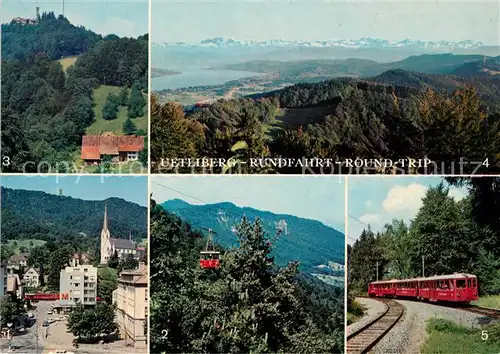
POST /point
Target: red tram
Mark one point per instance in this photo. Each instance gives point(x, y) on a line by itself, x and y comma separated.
point(457, 287)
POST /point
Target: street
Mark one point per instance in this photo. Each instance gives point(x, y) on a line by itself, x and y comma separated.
point(27, 342)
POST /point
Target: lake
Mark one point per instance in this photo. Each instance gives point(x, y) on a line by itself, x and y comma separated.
point(198, 77)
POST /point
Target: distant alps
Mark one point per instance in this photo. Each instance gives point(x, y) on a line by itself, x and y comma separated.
point(219, 42)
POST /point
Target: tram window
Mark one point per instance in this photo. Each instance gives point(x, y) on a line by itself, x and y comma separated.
point(450, 283)
point(461, 283)
point(469, 283)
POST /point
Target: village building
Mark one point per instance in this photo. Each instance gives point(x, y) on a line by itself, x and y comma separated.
point(78, 285)
point(31, 277)
point(16, 263)
point(3, 281)
point(110, 245)
point(131, 299)
point(14, 286)
point(81, 258)
point(119, 148)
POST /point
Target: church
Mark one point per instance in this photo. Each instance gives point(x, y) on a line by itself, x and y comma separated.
point(109, 245)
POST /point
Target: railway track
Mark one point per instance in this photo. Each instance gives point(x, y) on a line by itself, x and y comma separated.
point(485, 311)
point(362, 340)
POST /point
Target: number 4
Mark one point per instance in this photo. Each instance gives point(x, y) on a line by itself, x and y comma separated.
point(486, 163)
point(484, 335)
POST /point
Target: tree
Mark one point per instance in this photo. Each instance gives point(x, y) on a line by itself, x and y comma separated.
point(92, 323)
point(249, 304)
point(136, 103)
point(129, 127)
point(57, 261)
point(129, 262)
point(123, 97)
point(113, 260)
point(10, 309)
point(106, 284)
point(110, 109)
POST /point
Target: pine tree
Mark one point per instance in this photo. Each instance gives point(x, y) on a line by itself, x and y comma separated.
point(123, 97)
point(136, 103)
point(110, 109)
point(129, 127)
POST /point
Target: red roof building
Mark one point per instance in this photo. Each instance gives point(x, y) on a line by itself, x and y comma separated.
point(120, 148)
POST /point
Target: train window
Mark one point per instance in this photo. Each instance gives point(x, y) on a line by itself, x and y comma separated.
point(469, 283)
point(450, 283)
point(461, 283)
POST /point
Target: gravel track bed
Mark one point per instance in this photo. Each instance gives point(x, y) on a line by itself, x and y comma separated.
point(408, 335)
point(373, 308)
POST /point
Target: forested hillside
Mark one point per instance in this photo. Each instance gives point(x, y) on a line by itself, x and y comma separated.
point(452, 236)
point(405, 115)
point(54, 36)
point(45, 110)
point(39, 215)
point(249, 304)
point(308, 241)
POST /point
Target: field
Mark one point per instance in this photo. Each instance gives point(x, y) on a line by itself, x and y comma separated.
point(116, 125)
point(492, 301)
point(67, 62)
point(447, 337)
point(25, 243)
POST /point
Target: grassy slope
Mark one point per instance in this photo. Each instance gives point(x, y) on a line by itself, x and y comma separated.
point(492, 301)
point(26, 243)
point(67, 62)
point(116, 125)
point(448, 337)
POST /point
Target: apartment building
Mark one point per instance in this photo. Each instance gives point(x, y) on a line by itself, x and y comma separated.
point(78, 285)
point(131, 298)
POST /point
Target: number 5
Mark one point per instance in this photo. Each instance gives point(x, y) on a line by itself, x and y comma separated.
point(484, 335)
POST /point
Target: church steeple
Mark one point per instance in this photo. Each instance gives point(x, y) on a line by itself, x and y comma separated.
point(105, 223)
point(105, 236)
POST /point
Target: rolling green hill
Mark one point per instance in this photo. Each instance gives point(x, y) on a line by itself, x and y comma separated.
point(308, 241)
point(101, 125)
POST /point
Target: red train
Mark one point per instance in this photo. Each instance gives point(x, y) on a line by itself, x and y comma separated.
point(457, 287)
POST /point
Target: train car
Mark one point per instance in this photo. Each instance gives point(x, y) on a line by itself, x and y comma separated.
point(382, 288)
point(406, 288)
point(457, 287)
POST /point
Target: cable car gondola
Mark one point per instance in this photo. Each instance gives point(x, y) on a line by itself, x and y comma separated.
point(209, 259)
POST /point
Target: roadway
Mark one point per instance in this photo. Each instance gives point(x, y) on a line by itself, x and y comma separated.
point(26, 342)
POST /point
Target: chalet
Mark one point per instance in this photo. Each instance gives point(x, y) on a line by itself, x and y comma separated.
point(32, 277)
point(16, 263)
point(120, 148)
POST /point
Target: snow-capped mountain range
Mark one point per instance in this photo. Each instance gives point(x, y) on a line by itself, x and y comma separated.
point(219, 42)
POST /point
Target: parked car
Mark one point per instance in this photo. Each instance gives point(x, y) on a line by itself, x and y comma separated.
point(30, 314)
point(45, 323)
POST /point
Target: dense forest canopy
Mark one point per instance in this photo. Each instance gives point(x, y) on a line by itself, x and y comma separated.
point(249, 304)
point(39, 215)
point(451, 236)
point(54, 36)
point(45, 111)
point(405, 115)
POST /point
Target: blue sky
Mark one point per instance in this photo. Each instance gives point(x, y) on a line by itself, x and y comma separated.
point(124, 18)
point(195, 20)
point(376, 201)
point(131, 188)
point(318, 198)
